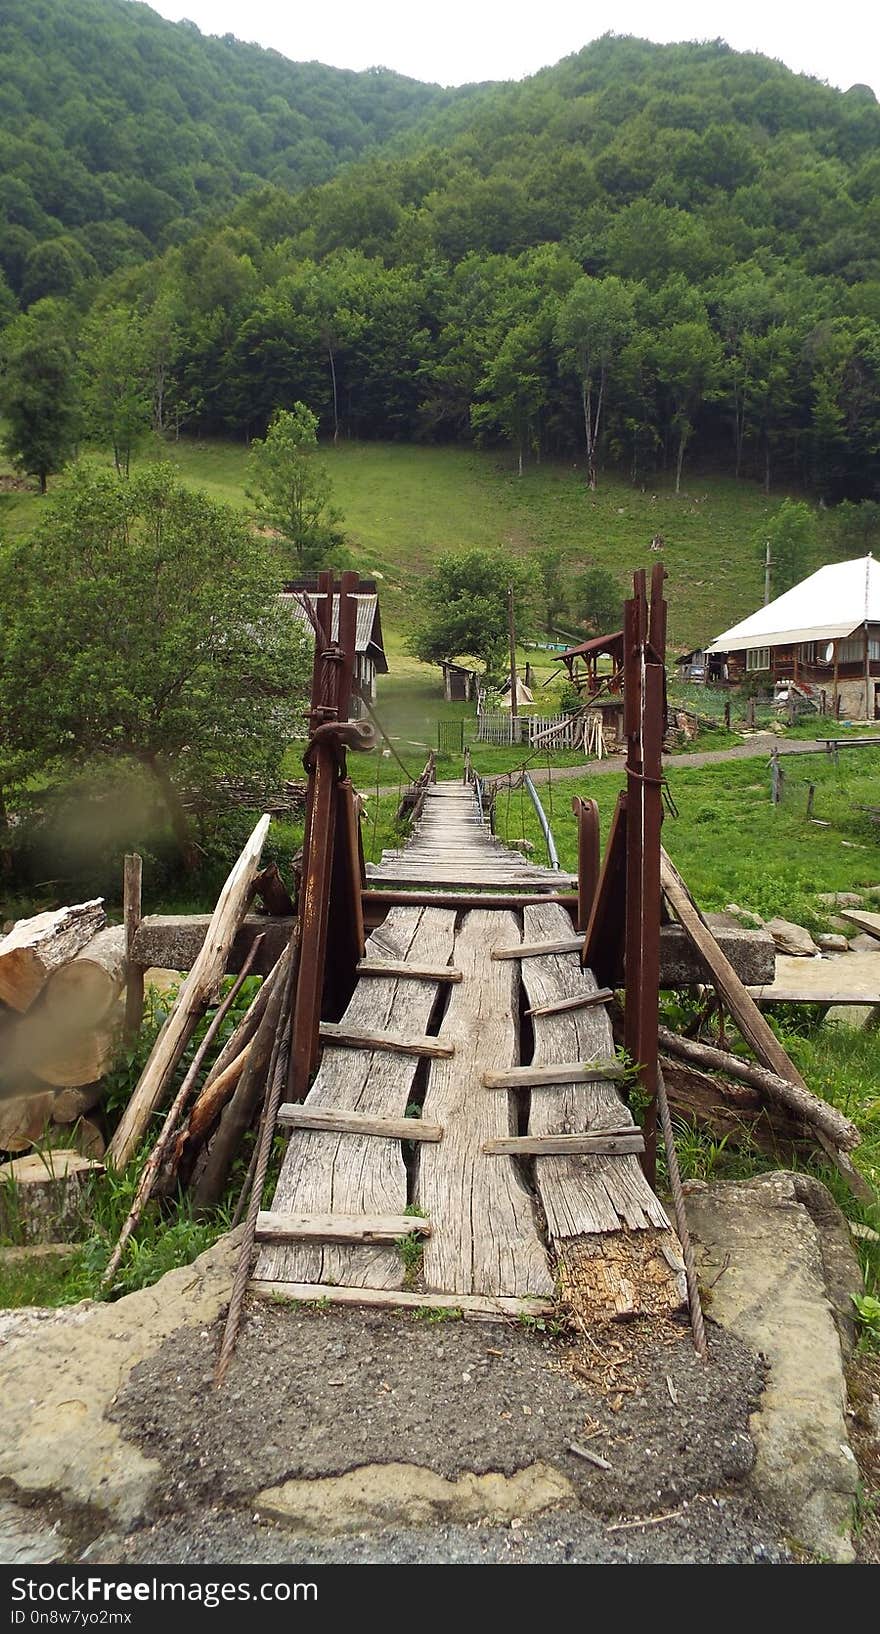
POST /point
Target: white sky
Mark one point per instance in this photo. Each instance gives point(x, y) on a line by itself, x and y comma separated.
point(460, 40)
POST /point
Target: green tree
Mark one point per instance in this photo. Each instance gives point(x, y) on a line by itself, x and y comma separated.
point(792, 536)
point(599, 601)
point(165, 646)
point(116, 386)
point(688, 358)
point(551, 564)
point(291, 489)
point(38, 393)
point(466, 608)
point(591, 330)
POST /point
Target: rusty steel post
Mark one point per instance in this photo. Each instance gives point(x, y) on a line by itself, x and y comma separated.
point(318, 845)
point(587, 814)
point(644, 724)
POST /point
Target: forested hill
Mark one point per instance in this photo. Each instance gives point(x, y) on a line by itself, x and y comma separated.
point(660, 257)
point(115, 125)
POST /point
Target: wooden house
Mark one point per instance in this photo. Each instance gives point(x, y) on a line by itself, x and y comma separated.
point(823, 635)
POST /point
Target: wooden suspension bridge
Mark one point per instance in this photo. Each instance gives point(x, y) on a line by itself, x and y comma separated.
point(468, 1096)
point(434, 1035)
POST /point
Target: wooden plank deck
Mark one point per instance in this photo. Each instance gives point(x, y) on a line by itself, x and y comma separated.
point(485, 1237)
point(504, 1214)
point(334, 1173)
point(451, 846)
point(612, 1239)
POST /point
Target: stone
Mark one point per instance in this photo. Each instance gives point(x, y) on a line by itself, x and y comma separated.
point(863, 943)
point(840, 899)
point(857, 1016)
point(832, 942)
point(791, 939)
point(760, 1249)
point(744, 916)
point(751, 952)
point(61, 1369)
point(410, 1495)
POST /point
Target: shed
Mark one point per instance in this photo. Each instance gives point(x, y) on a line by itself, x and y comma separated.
point(459, 682)
point(588, 654)
point(370, 660)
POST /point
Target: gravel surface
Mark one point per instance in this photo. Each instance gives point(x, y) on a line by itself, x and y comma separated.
point(318, 1391)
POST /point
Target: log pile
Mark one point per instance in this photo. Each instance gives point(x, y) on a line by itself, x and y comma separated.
point(62, 976)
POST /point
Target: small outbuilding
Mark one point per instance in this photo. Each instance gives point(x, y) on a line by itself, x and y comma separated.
point(302, 594)
point(823, 636)
point(582, 663)
point(459, 682)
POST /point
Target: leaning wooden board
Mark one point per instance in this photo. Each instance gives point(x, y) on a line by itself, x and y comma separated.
point(330, 1172)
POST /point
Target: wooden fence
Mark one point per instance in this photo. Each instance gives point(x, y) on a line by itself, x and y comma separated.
point(565, 731)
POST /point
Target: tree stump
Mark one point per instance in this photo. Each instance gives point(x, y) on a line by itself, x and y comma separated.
point(41, 1196)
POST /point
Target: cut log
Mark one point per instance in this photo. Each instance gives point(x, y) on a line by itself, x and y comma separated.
point(23, 1118)
point(800, 1102)
point(196, 993)
point(35, 947)
point(735, 1113)
point(71, 1104)
point(41, 1196)
point(86, 988)
point(64, 1054)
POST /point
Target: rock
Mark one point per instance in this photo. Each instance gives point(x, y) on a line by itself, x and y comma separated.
point(409, 1495)
point(863, 943)
point(61, 1369)
point(791, 939)
point(28, 1540)
point(744, 916)
point(840, 899)
point(856, 1016)
point(761, 1242)
point(832, 942)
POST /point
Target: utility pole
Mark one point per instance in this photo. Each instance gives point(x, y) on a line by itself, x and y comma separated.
point(511, 631)
point(767, 566)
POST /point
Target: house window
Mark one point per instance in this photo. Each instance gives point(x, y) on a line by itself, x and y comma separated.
point(808, 652)
point(852, 651)
point(758, 658)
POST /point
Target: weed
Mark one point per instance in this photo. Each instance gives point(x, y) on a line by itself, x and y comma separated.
point(438, 1313)
point(411, 1250)
point(868, 1312)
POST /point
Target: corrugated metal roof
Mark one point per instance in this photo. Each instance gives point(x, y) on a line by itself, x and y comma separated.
point(368, 629)
point(833, 602)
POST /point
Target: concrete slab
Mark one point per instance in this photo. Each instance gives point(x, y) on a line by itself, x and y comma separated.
point(761, 1254)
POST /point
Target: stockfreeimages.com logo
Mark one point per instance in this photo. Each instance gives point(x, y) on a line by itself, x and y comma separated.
point(46, 1599)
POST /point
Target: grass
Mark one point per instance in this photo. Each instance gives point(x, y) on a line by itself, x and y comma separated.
point(404, 505)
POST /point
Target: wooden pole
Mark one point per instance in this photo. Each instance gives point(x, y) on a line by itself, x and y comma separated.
point(511, 636)
point(132, 912)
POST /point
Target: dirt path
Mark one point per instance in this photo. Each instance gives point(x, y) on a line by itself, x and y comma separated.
point(755, 748)
point(315, 1392)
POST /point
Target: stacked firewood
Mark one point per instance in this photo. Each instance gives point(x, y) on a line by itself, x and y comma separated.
point(62, 976)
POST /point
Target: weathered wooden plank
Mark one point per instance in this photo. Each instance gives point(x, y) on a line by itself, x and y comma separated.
point(329, 1172)
point(610, 1143)
point(354, 1038)
point(839, 978)
point(562, 1072)
point(499, 1309)
point(755, 1030)
point(352, 1228)
point(485, 1238)
point(539, 950)
point(865, 921)
point(578, 1001)
point(340, 1121)
point(610, 1232)
point(413, 973)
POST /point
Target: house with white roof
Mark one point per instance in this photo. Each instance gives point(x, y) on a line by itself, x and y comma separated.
point(824, 635)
